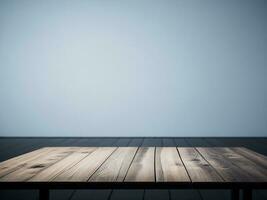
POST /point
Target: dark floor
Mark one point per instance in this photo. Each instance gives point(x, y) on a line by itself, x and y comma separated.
point(10, 147)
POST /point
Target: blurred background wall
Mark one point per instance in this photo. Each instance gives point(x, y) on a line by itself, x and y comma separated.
point(133, 68)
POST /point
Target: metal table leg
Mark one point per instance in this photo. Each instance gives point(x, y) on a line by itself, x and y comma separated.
point(247, 194)
point(235, 194)
point(43, 194)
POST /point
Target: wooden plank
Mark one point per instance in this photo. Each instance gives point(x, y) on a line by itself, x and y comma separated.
point(238, 142)
point(24, 156)
point(228, 171)
point(151, 193)
point(86, 167)
point(15, 163)
point(197, 167)
point(17, 150)
point(24, 146)
point(142, 167)
point(30, 194)
point(208, 194)
point(169, 166)
point(33, 167)
point(116, 166)
point(125, 193)
point(184, 194)
point(255, 171)
point(51, 172)
point(252, 155)
point(61, 194)
point(94, 194)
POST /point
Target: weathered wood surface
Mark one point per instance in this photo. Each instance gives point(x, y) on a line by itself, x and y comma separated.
point(169, 166)
point(142, 167)
point(136, 164)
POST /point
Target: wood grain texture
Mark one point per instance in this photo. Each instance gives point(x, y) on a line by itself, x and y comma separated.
point(33, 167)
point(15, 163)
point(259, 159)
point(136, 164)
point(86, 167)
point(169, 167)
point(228, 171)
point(256, 172)
point(197, 167)
point(116, 166)
point(142, 167)
point(72, 159)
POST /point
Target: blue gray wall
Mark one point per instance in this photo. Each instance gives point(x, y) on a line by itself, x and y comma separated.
point(133, 68)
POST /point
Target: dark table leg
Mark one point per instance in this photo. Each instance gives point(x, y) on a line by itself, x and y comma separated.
point(247, 194)
point(43, 194)
point(235, 194)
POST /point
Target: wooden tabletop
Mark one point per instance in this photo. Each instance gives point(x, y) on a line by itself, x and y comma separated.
point(136, 165)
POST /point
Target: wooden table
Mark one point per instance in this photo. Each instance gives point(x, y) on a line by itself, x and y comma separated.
point(136, 168)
